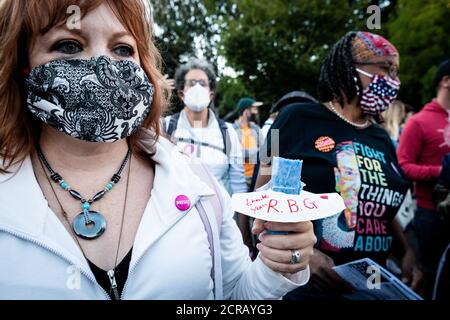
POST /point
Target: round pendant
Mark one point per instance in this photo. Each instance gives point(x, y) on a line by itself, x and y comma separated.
point(92, 230)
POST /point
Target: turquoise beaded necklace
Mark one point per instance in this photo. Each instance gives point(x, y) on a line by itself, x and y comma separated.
point(88, 224)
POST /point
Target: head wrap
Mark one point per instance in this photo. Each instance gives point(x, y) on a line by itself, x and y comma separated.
point(367, 46)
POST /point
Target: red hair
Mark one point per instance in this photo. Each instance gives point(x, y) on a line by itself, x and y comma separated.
point(20, 22)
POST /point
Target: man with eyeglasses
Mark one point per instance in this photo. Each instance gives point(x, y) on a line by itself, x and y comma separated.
point(423, 144)
point(198, 132)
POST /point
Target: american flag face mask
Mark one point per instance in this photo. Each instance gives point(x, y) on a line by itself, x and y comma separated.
point(379, 94)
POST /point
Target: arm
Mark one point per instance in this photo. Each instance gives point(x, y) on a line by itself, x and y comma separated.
point(409, 150)
point(400, 239)
point(263, 175)
point(411, 274)
point(323, 277)
point(238, 183)
point(444, 177)
point(265, 130)
point(244, 279)
point(322, 274)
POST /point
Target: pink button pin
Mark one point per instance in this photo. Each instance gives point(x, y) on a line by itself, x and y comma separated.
point(182, 203)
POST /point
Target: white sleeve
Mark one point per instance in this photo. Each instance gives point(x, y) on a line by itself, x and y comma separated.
point(165, 122)
point(236, 168)
point(265, 131)
point(242, 278)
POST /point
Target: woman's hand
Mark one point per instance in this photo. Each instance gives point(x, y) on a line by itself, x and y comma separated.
point(411, 274)
point(276, 250)
point(323, 277)
point(168, 83)
point(244, 226)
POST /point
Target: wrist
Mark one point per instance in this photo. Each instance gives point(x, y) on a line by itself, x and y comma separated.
point(407, 251)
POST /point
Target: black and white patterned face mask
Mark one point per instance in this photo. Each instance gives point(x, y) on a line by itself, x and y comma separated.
point(97, 100)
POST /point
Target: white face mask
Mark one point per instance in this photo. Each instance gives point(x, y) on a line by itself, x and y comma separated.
point(197, 98)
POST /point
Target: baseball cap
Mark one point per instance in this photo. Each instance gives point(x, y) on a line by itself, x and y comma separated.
point(246, 103)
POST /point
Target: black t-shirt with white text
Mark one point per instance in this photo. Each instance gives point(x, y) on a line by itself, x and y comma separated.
point(360, 164)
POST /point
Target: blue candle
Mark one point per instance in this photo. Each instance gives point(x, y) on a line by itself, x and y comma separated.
point(286, 178)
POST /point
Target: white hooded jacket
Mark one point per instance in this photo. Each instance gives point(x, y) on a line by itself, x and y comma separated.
point(170, 259)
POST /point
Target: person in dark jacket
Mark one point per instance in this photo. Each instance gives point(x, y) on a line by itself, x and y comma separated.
point(441, 199)
point(423, 144)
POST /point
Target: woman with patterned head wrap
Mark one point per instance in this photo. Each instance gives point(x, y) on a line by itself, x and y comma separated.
point(344, 150)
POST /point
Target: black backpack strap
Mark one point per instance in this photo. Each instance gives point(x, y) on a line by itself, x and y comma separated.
point(198, 143)
point(225, 136)
point(173, 124)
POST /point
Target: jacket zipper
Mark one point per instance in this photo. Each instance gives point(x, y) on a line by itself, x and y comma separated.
point(112, 280)
point(133, 267)
point(86, 274)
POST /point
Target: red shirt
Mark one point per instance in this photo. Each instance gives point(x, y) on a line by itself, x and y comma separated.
point(423, 144)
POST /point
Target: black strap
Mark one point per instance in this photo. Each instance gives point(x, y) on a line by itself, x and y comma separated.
point(173, 124)
point(198, 143)
point(225, 137)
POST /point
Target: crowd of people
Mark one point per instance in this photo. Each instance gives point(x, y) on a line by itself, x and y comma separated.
point(349, 143)
point(120, 194)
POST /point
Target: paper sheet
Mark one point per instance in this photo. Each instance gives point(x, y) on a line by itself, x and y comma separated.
point(365, 274)
point(275, 206)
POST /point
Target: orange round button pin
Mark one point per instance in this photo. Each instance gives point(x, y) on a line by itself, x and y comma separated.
point(325, 144)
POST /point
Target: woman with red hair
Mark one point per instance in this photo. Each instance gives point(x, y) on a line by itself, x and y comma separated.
point(94, 204)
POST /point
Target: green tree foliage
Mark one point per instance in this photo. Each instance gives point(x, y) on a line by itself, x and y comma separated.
point(278, 45)
point(183, 28)
point(229, 91)
point(420, 31)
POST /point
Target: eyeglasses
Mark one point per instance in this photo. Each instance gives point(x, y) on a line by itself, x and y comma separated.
point(193, 82)
point(391, 69)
